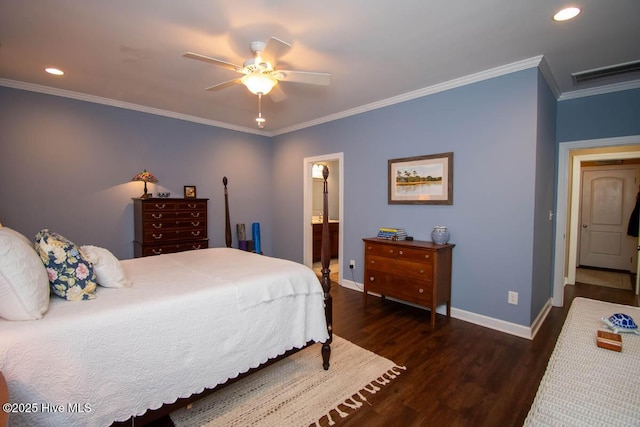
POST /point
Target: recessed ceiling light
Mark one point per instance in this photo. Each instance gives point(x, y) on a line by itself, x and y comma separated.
point(566, 14)
point(54, 71)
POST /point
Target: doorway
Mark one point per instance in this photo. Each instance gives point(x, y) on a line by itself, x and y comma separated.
point(311, 210)
point(608, 197)
point(570, 156)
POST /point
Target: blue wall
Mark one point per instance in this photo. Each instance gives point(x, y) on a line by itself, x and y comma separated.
point(602, 116)
point(492, 128)
point(542, 279)
point(67, 165)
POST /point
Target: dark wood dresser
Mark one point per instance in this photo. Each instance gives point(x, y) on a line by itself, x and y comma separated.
point(414, 271)
point(169, 225)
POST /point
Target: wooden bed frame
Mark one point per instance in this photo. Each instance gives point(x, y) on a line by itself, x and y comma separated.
point(153, 415)
point(325, 258)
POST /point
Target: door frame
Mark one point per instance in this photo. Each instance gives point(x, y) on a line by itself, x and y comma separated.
point(307, 210)
point(567, 219)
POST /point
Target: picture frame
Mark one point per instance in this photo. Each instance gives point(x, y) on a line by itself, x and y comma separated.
point(190, 191)
point(421, 180)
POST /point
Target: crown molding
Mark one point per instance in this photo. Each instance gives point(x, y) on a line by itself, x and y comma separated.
point(430, 90)
point(536, 61)
point(126, 105)
point(600, 90)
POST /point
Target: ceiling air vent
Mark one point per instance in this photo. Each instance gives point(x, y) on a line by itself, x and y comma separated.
point(606, 72)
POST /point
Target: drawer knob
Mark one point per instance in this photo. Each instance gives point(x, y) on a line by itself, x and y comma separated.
point(159, 236)
point(160, 206)
point(195, 223)
point(195, 233)
point(156, 216)
point(156, 226)
point(426, 256)
point(372, 262)
point(421, 290)
point(421, 271)
point(157, 251)
point(371, 278)
point(390, 251)
point(196, 246)
point(195, 214)
point(192, 206)
point(401, 253)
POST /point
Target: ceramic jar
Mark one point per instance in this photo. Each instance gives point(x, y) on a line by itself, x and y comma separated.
point(440, 235)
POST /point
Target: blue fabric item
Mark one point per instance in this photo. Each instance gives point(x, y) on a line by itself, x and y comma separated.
point(255, 228)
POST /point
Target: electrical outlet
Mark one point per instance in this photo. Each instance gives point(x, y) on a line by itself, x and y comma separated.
point(513, 298)
point(352, 264)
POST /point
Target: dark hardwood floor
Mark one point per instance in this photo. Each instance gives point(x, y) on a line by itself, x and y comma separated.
point(458, 373)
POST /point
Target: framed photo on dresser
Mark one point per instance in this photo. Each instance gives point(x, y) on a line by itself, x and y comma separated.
point(189, 191)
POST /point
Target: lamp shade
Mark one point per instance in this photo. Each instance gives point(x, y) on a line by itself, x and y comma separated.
point(145, 176)
point(259, 83)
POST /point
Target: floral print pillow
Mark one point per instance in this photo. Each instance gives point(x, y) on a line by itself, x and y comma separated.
point(71, 276)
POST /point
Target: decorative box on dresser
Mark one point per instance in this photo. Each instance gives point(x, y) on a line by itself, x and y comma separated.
point(169, 225)
point(414, 271)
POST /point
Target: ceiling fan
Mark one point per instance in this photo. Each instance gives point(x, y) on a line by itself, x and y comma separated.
point(260, 73)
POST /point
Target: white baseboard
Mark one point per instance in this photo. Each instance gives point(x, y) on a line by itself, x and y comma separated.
point(527, 332)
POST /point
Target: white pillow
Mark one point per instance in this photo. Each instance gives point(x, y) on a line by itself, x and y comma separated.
point(109, 272)
point(18, 235)
point(24, 284)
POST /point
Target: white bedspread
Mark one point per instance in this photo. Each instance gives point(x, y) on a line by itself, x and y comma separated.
point(191, 321)
point(585, 385)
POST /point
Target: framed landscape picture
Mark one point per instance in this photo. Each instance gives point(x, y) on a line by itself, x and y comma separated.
point(421, 180)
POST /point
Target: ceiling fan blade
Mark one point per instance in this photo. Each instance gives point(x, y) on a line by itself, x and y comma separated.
point(275, 49)
point(277, 94)
point(307, 77)
point(223, 85)
point(214, 61)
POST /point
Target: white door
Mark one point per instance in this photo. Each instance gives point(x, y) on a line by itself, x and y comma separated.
point(608, 197)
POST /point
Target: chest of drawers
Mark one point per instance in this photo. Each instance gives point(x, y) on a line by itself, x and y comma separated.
point(169, 225)
point(414, 271)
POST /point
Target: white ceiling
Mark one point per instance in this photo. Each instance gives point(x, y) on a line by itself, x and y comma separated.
point(130, 52)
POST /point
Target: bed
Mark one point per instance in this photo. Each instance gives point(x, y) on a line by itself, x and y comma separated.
point(585, 384)
point(191, 321)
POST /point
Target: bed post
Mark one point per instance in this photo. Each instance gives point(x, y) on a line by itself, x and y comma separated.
point(227, 223)
point(325, 258)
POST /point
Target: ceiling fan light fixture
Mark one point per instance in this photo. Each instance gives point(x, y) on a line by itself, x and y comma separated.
point(259, 83)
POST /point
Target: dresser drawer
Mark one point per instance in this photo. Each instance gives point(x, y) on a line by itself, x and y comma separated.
point(191, 223)
point(148, 250)
point(417, 270)
point(191, 215)
point(159, 206)
point(415, 255)
point(380, 250)
point(158, 215)
point(169, 234)
point(415, 291)
point(196, 205)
